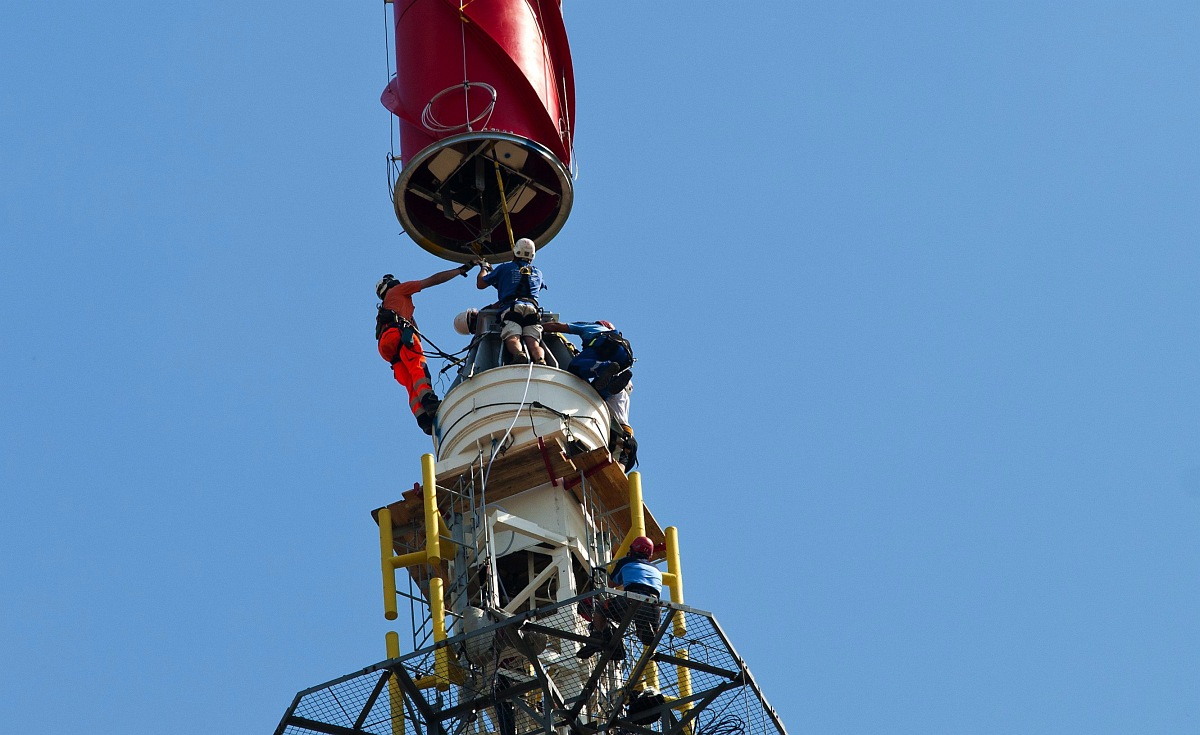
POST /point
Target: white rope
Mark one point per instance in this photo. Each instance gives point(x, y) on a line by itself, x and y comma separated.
point(516, 417)
point(489, 539)
point(433, 125)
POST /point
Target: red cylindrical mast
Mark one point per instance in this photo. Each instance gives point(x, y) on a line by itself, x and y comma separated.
point(485, 97)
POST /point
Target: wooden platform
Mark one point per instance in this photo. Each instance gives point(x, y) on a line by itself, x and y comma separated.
point(520, 469)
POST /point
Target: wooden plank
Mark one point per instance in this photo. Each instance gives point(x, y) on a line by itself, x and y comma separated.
point(605, 478)
point(519, 469)
point(609, 487)
point(653, 530)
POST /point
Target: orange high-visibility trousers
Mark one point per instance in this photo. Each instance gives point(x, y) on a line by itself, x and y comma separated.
point(408, 366)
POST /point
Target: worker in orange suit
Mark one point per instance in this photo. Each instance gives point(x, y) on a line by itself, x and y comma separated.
point(400, 344)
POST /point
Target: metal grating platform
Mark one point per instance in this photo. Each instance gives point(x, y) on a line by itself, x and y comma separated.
point(522, 676)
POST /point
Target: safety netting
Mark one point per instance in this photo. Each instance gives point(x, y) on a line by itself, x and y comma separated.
point(604, 661)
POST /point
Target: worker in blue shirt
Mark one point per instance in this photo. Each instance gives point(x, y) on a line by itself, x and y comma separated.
point(634, 573)
point(606, 360)
point(631, 573)
point(517, 285)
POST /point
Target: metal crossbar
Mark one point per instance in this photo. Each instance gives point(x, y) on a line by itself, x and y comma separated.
point(531, 680)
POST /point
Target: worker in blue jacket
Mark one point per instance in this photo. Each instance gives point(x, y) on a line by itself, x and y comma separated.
point(517, 285)
point(606, 360)
point(631, 573)
point(634, 573)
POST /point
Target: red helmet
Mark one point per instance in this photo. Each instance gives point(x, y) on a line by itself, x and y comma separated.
point(642, 545)
point(607, 324)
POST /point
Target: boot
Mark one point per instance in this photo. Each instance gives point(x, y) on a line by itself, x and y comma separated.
point(425, 421)
point(430, 402)
point(604, 376)
point(597, 640)
point(591, 648)
point(619, 652)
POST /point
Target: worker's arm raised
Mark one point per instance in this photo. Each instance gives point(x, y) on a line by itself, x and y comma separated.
point(484, 269)
point(440, 278)
point(554, 327)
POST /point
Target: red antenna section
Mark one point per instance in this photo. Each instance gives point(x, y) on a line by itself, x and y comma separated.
point(485, 97)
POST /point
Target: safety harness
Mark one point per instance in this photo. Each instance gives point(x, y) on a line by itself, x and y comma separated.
point(524, 290)
point(387, 319)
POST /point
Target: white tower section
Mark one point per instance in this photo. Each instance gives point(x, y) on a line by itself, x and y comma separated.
point(529, 446)
point(520, 402)
point(527, 529)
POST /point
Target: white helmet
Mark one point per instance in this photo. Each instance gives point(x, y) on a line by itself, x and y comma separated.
point(524, 249)
point(384, 284)
point(464, 323)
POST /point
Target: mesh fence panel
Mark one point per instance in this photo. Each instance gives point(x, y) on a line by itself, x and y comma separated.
point(605, 661)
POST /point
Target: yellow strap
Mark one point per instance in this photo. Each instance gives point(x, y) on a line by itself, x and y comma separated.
point(504, 204)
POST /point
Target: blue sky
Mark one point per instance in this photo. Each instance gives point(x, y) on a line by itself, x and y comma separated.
point(912, 288)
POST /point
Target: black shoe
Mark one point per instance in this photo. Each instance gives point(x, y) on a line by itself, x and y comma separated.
point(619, 381)
point(430, 402)
point(425, 421)
point(596, 643)
point(591, 649)
point(604, 376)
point(619, 653)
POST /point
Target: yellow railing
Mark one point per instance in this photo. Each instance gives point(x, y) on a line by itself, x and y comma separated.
point(432, 555)
point(672, 579)
point(395, 698)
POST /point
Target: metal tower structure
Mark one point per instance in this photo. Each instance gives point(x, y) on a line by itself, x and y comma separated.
point(505, 542)
point(504, 545)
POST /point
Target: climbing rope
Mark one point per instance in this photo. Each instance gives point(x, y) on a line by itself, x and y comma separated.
point(437, 351)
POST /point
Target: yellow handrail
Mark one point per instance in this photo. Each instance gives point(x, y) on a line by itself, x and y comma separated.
point(433, 546)
point(637, 517)
point(674, 578)
point(395, 697)
point(389, 571)
point(432, 554)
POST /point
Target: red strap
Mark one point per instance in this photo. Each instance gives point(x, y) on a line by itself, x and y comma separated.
point(546, 461)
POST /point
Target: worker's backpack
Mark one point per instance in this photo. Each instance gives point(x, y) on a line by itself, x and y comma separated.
point(611, 347)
